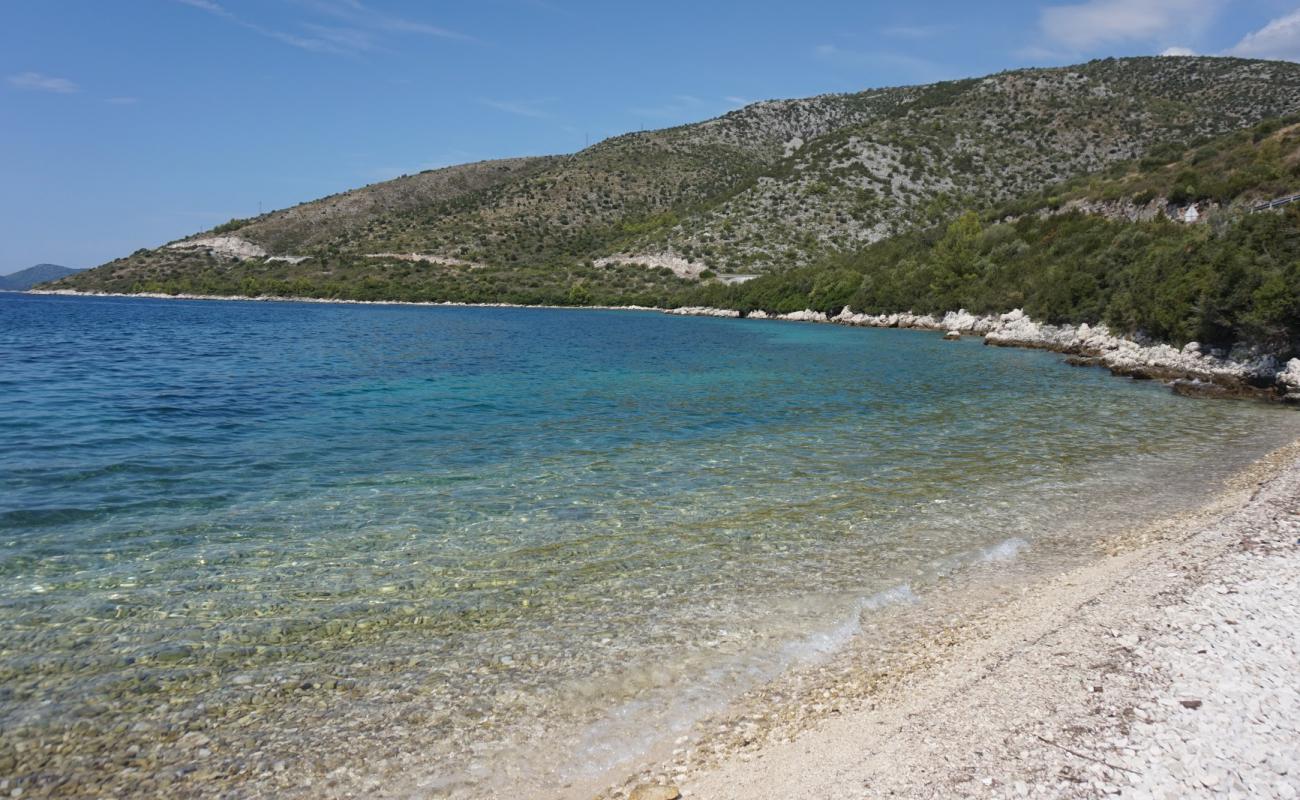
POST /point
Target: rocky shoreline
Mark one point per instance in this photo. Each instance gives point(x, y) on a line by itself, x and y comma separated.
point(1190, 370)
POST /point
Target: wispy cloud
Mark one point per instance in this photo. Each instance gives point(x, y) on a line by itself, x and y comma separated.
point(1178, 51)
point(38, 82)
point(1279, 39)
point(520, 108)
point(363, 16)
point(1084, 26)
point(347, 40)
point(122, 101)
point(302, 42)
point(737, 101)
point(355, 28)
point(913, 31)
point(206, 5)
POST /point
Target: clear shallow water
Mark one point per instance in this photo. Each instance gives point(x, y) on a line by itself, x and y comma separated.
point(497, 537)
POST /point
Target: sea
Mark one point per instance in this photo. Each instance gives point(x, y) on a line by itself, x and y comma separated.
point(278, 548)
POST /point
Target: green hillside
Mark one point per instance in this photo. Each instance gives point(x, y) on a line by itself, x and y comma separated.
point(1106, 248)
point(642, 218)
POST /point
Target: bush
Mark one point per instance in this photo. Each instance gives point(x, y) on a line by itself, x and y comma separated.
point(231, 226)
point(1237, 283)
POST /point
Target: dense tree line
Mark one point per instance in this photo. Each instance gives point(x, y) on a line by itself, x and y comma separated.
point(1235, 279)
point(345, 278)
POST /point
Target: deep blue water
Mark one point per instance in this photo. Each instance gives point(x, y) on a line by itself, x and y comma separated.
point(521, 509)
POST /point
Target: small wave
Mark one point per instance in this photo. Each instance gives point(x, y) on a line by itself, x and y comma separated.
point(1006, 550)
point(832, 639)
point(899, 595)
point(634, 726)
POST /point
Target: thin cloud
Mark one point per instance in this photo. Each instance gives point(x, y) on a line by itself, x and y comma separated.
point(361, 32)
point(345, 39)
point(913, 31)
point(363, 16)
point(737, 101)
point(38, 82)
point(1096, 23)
point(1178, 51)
point(1279, 39)
point(527, 108)
point(206, 5)
point(301, 42)
point(122, 101)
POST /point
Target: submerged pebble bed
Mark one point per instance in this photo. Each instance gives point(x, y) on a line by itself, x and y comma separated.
point(275, 548)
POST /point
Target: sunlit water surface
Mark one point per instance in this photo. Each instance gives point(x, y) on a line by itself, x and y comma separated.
point(331, 534)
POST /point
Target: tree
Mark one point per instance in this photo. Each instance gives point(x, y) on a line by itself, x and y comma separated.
point(954, 261)
point(579, 295)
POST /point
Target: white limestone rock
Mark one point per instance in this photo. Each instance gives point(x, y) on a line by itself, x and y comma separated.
point(1289, 377)
point(807, 315)
point(227, 246)
point(703, 311)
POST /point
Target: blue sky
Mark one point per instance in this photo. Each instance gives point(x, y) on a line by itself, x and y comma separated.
point(127, 123)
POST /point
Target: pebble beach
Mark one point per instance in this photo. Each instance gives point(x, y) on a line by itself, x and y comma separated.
point(1164, 670)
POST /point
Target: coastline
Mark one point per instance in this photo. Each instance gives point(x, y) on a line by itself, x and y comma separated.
point(1190, 370)
point(1161, 669)
point(826, 691)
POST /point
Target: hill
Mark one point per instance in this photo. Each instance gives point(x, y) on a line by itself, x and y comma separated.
point(1113, 247)
point(25, 279)
point(644, 217)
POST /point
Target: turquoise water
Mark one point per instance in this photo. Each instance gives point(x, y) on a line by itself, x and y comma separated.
point(317, 535)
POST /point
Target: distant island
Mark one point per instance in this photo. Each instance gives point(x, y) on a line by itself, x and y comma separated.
point(24, 279)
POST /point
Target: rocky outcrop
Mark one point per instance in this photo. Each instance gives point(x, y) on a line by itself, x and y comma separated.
point(427, 258)
point(804, 316)
point(1124, 356)
point(223, 246)
point(681, 267)
point(1288, 380)
point(703, 311)
point(1129, 210)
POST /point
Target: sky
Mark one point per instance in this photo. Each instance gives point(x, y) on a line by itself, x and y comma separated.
point(128, 123)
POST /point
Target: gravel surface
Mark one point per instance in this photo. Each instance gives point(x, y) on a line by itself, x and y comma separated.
point(1228, 722)
point(1167, 669)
